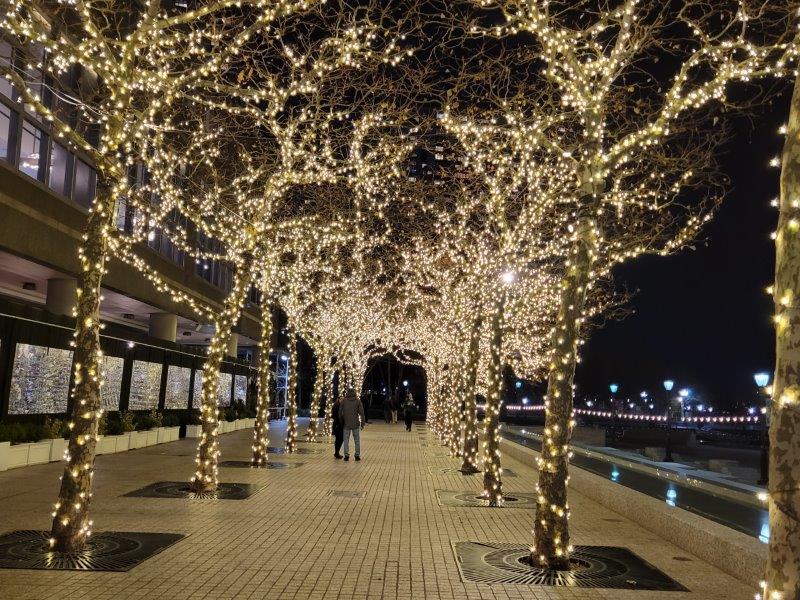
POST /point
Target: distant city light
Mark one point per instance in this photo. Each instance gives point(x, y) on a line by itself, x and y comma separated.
point(751, 410)
point(405, 382)
point(518, 384)
point(651, 406)
point(643, 394)
point(525, 400)
point(684, 393)
point(589, 403)
point(700, 407)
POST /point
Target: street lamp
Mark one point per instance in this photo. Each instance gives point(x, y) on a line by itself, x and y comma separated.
point(668, 385)
point(762, 381)
point(405, 382)
point(613, 388)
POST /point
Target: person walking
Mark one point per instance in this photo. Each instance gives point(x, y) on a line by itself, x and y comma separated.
point(394, 405)
point(351, 413)
point(408, 410)
point(338, 428)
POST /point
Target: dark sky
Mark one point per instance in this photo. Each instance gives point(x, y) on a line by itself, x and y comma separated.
point(702, 317)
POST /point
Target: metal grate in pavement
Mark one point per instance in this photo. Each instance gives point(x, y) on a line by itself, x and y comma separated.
point(593, 567)
point(180, 489)
point(105, 551)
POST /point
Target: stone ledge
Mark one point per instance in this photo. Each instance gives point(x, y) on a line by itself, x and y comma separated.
point(735, 553)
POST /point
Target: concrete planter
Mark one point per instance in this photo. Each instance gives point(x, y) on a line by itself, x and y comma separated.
point(57, 448)
point(194, 431)
point(138, 439)
point(4, 452)
point(173, 433)
point(123, 442)
point(18, 455)
point(107, 444)
point(152, 436)
point(39, 452)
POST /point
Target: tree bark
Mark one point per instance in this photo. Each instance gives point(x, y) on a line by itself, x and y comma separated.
point(783, 560)
point(492, 471)
point(71, 524)
point(469, 465)
point(328, 391)
point(551, 528)
point(205, 477)
point(261, 429)
point(291, 395)
point(316, 399)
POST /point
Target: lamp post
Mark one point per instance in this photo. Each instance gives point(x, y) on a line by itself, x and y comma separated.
point(762, 381)
point(668, 385)
point(613, 388)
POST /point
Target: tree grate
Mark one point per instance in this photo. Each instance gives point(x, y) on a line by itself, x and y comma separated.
point(245, 464)
point(346, 494)
point(593, 567)
point(476, 499)
point(457, 471)
point(180, 489)
point(105, 551)
point(277, 450)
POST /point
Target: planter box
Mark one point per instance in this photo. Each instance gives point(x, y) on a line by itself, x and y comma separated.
point(162, 435)
point(107, 444)
point(18, 455)
point(152, 436)
point(194, 431)
point(173, 433)
point(57, 448)
point(4, 452)
point(123, 441)
point(138, 439)
point(39, 452)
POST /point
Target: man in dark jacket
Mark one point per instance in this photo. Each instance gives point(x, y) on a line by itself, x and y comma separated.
point(338, 429)
point(351, 413)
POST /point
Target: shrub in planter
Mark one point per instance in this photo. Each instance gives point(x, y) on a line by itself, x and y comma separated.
point(149, 421)
point(171, 420)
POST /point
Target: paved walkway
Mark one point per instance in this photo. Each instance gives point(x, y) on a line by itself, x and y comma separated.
point(294, 541)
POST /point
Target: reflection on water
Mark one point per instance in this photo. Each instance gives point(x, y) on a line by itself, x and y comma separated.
point(672, 496)
point(614, 473)
point(764, 535)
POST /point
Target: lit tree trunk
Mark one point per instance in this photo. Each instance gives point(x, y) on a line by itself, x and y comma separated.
point(316, 398)
point(291, 395)
point(261, 430)
point(492, 471)
point(551, 528)
point(205, 477)
point(783, 560)
point(328, 391)
point(71, 524)
point(470, 463)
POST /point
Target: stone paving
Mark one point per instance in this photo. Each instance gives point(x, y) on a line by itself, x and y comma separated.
point(295, 540)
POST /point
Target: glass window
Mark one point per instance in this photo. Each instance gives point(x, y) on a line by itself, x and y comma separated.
point(31, 158)
point(7, 125)
point(60, 162)
point(83, 190)
point(5, 59)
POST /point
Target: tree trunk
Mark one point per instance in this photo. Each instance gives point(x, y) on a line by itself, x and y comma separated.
point(783, 560)
point(205, 477)
point(551, 529)
point(291, 396)
point(470, 463)
point(328, 391)
point(71, 524)
point(492, 471)
point(316, 398)
point(261, 429)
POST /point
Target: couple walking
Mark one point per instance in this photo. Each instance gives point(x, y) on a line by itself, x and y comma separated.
point(348, 416)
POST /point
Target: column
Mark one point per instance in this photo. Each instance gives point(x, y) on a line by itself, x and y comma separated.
point(61, 295)
point(233, 345)
point(163, 326)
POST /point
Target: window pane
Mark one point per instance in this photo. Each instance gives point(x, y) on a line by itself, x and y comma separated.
point(60, 161)
point(6, 121)
point(83, 190)
point(30, 151)
point(5, 59)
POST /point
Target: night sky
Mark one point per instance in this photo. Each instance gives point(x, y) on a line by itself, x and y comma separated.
point(702, 317)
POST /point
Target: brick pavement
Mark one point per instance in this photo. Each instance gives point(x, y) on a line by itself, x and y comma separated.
point(294, 541)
